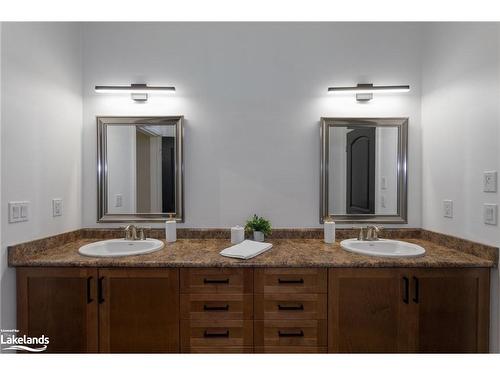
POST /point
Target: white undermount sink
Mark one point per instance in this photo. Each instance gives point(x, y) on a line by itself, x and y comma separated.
point(383, 248)
point(120, 247)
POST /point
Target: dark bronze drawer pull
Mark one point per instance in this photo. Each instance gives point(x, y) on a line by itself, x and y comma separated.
point(291, 281)
point(211, 334)
point(89, 293)
point(406, 293)
point(291, 333)
point(290, 306)
point(216, 281)
point(417, 294)
point(100, 291)
point(216, 308)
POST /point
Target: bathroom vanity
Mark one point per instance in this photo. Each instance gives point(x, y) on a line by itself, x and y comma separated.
point(303, 296)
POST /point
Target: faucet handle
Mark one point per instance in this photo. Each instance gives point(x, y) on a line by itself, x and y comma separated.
point(361, 234)
point(372, 231)
point(131, 232)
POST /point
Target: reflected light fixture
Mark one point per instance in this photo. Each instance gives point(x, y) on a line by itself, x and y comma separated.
point(364, 91)
point(138, 91)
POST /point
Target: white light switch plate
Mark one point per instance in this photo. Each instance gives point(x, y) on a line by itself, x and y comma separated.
point(490, 213)
point(448, 208)
point(18, 211)
point(490, 181)
point(57, 207)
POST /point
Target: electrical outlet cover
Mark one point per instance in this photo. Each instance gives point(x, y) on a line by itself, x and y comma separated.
point(448, 208)
point(56, 207)
point(490, 181)
point(118, 200)
point(490, 212)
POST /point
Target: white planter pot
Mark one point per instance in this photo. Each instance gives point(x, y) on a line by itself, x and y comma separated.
point(258, 236)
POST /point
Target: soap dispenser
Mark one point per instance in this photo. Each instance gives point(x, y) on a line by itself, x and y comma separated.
point(329, 231)
point(171, 229)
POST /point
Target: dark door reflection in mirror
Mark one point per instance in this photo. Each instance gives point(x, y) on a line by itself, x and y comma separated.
point(360, 197)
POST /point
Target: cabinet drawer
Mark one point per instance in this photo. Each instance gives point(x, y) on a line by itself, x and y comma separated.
point(198, 306)
point(290, 280)
point(290, 333)
point(290, 306)
point(221, 349)
point(217, 280)
point(291, 349)
point(216, 333)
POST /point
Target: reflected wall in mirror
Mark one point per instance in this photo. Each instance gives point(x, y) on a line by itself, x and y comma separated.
point(363, 169)
point(139, 169)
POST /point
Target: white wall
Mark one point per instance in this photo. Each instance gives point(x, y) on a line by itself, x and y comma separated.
point(41, 143)
point(386, 199)
point(460, 132)
point(121, 155)
point(252, 95)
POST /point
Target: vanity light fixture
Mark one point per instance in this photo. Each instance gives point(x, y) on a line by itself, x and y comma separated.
point(138, 91)
point(364, 91)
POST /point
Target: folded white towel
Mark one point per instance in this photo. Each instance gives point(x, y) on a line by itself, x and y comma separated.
point(246, 249)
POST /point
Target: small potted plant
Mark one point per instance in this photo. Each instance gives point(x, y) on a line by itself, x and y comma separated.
point(259, 226)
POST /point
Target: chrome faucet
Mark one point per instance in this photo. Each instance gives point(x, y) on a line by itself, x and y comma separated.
point(371, 233)
point(131, 232)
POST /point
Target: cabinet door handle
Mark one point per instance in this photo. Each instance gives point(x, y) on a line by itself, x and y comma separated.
point(291, 333)
point(406, 292)
point(291, 281)
point(215, 281)
point(290, 306)
point(416, 297)
point(89, 292)
point(216, 308)
point(212, 334)
point(100, 292)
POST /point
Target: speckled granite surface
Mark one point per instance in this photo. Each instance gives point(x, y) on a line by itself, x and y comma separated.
point(199, 252)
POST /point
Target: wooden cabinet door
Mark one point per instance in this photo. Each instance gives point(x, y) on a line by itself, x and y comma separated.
point(138, 310)
point(452, 309)
point(60, 303)
point(368, 310)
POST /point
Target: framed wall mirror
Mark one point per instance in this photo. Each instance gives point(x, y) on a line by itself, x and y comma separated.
point(139, 169)
point(364, 170)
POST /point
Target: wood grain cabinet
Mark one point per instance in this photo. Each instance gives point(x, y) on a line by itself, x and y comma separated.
point(217, 310)
point(290, 310)
point(60, 303)
point(138, 310)
point(450, 309)
point(107, 310)
point(408, 310)
point(264, 310)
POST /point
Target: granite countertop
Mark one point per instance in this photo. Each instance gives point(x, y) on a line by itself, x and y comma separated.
point(205, 253)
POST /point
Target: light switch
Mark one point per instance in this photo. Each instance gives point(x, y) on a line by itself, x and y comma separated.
point(118, 200)
point(56, 207)
point(490, 214)
point(490, 181)
point(18, 211)
point(24, 211)
point(448, 208)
